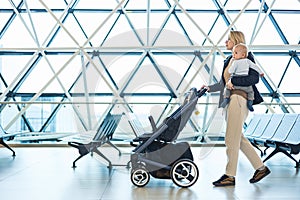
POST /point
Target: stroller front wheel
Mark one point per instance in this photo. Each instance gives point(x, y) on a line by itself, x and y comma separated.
point(140, 177)
point(184, 173)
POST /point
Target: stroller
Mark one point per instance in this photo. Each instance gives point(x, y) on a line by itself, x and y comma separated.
point(157, 154)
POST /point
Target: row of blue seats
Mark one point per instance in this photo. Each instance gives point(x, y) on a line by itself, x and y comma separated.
point(279, 131)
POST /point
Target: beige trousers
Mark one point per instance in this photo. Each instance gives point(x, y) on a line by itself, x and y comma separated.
point(235, 140)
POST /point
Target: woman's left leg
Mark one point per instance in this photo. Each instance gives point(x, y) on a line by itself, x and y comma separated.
point(235, 117)
point(249, 151)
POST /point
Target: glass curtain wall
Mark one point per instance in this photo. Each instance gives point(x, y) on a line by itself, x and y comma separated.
point(65, 64)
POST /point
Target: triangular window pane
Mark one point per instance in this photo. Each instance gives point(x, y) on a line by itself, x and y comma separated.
point(290, 79)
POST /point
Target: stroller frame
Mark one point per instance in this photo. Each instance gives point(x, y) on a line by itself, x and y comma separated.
point(152, 155)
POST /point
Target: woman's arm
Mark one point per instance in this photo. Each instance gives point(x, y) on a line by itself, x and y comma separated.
point(215, 87)
point(251, 79)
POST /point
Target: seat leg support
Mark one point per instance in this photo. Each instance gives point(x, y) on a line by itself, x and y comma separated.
point(6, 145)
point(104, 157)
point(115, 147)
point(277, 150)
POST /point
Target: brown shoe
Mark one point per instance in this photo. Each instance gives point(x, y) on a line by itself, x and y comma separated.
point(225, 181)
point(260, 174)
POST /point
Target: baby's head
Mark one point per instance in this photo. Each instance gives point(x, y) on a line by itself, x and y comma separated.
point(239, 51)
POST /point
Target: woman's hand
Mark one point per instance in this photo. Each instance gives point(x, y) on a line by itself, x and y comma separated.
point(205, 86)
point(229, 85)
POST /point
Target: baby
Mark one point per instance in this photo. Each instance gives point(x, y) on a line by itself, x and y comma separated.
point(240, 67)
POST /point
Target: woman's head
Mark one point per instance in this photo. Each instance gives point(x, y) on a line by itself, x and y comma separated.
point(234, 38)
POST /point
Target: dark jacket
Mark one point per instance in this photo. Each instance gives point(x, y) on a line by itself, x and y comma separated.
point(251, 79)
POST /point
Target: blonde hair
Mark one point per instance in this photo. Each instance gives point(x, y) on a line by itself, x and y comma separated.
point(237, 37)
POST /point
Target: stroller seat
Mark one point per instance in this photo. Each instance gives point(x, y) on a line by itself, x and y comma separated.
point(147, 135)
point(142, 137)
point(174, 124)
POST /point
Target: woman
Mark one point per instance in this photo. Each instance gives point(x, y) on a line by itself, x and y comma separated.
point(236, 115)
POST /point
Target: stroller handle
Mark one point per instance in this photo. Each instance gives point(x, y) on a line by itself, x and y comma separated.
point(201, 92)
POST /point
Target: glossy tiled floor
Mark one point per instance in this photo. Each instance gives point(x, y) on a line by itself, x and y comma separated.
point(45, 173)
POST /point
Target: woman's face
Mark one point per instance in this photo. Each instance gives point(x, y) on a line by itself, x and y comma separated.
point(229, 44)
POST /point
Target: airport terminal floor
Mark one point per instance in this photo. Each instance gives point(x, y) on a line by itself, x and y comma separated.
point(46, 173)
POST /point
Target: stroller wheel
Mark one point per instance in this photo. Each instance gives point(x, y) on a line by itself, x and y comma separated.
point(140, 177)
point(184, 173)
